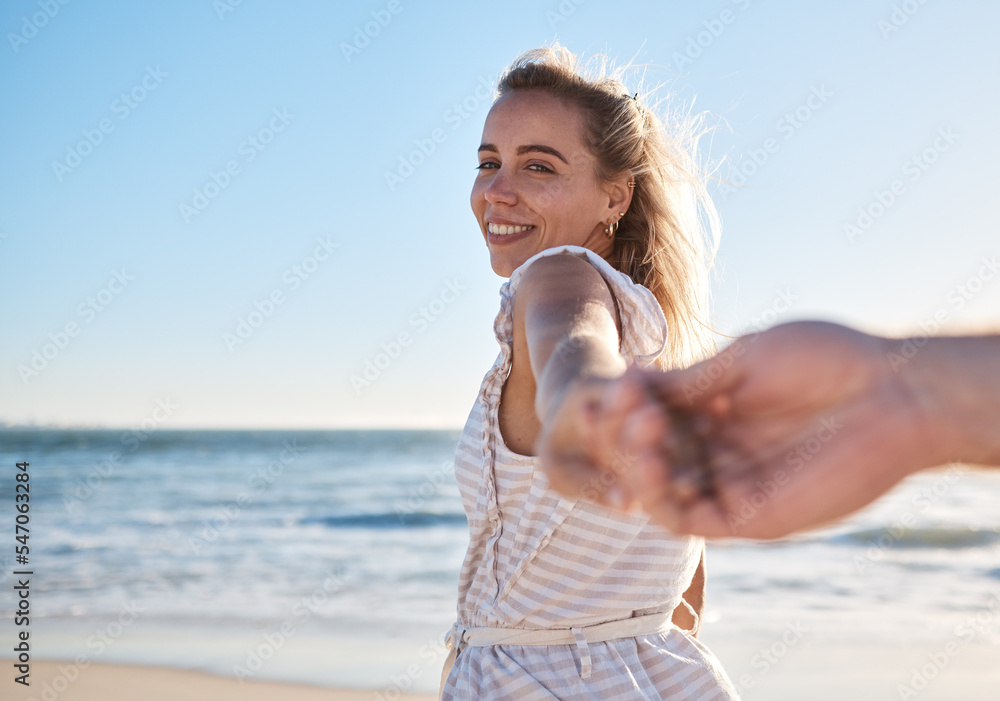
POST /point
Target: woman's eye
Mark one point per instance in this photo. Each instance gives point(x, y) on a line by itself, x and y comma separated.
point(487, 165)
point(539, 168)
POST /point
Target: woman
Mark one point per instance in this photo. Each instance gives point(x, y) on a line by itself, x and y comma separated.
point(579, 196)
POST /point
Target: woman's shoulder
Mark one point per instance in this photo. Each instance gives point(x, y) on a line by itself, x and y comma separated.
point(560, 252)
point(563, 271)
point(568, 270)
point(643, 325)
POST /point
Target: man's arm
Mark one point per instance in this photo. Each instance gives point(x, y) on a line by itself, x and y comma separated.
point(809, 420)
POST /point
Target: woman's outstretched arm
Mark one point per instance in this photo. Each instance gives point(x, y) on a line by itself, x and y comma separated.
point(565, 345)
point(571, 333)
point(570, 325)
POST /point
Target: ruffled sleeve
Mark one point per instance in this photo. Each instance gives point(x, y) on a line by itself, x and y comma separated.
point(644, 328)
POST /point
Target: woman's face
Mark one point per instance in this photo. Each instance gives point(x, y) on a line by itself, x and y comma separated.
point(537, 186)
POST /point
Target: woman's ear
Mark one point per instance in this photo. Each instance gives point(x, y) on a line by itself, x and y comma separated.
point(619, 195)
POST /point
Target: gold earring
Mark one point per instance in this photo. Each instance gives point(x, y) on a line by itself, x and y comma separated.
point(613, 225)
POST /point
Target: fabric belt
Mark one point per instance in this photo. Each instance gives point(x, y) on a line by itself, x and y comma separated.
point(650, 624)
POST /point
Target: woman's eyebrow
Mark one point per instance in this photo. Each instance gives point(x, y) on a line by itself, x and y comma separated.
point(527, 148)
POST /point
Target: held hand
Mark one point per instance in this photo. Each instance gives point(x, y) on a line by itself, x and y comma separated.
point(798, 425)
point(579, 455)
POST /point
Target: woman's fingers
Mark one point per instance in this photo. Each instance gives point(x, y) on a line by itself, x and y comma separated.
point(618, 401)
point(622, 445)
point(650, 481)
point(568, 474)
point(570, 447)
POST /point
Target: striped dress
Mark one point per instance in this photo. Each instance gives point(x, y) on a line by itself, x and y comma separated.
point(540, 561)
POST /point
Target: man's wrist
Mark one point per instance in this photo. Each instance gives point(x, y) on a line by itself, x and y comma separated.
point(948, 385)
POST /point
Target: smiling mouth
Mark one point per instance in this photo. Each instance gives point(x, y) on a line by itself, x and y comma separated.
point(505, 230)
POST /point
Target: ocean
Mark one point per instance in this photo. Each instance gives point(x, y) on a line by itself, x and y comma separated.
point(332, 557)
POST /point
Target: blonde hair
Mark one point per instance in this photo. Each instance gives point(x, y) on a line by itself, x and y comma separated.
point(668, 237)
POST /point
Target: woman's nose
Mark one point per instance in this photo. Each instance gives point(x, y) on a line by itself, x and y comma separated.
point(501, 189)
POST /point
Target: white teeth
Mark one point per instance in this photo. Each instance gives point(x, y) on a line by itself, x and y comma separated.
point(504, 230)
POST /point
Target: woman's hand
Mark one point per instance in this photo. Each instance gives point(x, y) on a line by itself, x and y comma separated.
point(584, 456)
point(574, 461)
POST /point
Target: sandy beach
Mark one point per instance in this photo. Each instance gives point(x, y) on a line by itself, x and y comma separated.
point(111, 682)
point(819, 672)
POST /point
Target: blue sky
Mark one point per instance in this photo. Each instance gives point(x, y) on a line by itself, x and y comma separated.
point(233, 211)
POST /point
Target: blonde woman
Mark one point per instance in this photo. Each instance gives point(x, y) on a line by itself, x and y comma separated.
point(600, 221)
